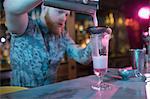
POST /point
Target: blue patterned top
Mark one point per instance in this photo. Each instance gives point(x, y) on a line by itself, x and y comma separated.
point(33, 64)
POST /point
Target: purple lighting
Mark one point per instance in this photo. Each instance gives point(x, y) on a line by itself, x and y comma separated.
point(144, 12)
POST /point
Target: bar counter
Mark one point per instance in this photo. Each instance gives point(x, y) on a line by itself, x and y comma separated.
point(80, 88)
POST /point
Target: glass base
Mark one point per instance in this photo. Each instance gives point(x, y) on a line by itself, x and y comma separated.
point(101, 87)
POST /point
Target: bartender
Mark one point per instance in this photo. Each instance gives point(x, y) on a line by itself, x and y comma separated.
point(37, 46)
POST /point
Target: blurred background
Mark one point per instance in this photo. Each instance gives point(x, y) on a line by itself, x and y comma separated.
point(121, 15)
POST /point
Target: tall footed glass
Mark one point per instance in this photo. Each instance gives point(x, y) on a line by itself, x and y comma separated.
point(137, 61)
point(100, 37)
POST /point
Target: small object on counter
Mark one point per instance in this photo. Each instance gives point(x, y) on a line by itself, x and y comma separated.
point(128, 73)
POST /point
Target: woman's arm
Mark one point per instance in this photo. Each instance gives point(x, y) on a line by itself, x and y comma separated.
point(16, 14)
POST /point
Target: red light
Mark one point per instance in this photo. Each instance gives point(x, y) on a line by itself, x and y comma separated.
point(144, 12)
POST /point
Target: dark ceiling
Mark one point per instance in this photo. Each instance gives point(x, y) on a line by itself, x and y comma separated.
point(112, 3)
point(117, 4)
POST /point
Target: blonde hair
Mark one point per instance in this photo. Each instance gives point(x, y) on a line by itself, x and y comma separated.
point(43, 10)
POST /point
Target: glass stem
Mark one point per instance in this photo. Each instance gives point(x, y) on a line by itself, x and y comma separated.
point(100, 81)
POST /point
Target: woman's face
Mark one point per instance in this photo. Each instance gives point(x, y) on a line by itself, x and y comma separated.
point(55, 19)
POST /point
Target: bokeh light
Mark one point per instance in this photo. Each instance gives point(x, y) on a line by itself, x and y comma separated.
point(3, 39)
point(144, 12)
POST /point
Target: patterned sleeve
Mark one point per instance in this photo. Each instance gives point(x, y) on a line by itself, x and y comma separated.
point(81, 55)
